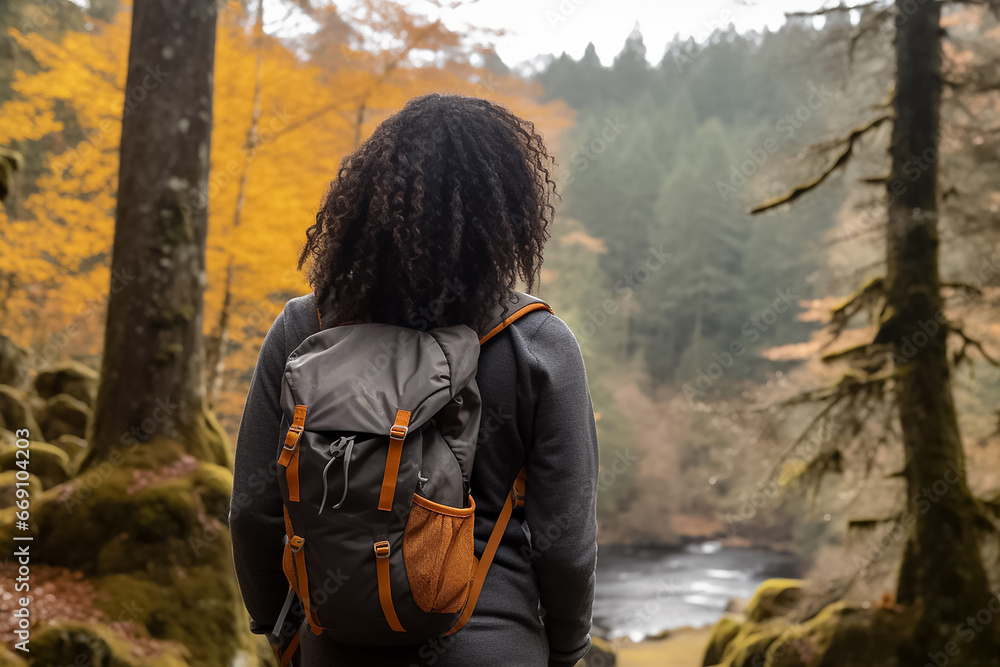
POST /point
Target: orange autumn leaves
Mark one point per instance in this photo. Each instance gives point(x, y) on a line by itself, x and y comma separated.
point(55, 244)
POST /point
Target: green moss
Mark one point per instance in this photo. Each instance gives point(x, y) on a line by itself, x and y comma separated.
point(199, 606)
point(49, 463)
point(843, 635)
point(9, 659)
point(15, 412)
point(773, 598)
point(6, 531)
point(215, 486)
point(749, 647)
point(152, 455)
point(64, 415)
point(156, 553)
point(722, 634)
point(68, 377)
point(146, 526)
point(75, 447)
point(111, 519)
point(211, 444)
point(13, 357)
point(96, 646)
point(8, 487)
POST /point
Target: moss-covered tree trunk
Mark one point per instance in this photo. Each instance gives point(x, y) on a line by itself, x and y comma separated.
point(942, 572)
point(151, 380)
point(146, 528)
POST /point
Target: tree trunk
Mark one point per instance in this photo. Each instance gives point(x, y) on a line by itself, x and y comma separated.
point(942, 571)
point(151, 380)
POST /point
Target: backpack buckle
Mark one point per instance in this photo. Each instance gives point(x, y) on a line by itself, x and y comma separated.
point(382, 549)
point(292, 437)
point(517, 496)
point(398, 431)
point(295, 544)
point(517, 490)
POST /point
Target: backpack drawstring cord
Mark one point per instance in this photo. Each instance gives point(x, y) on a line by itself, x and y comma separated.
point(335, 450)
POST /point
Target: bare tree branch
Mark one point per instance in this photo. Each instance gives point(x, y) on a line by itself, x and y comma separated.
point(863, 29)
point(968, 287)
point(842, 7)
point(967, 342)
point(848, 143)
point(866, 298)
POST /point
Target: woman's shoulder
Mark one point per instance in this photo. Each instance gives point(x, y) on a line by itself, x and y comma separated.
point(301, 309)
point(298, 320)
point(540, 330)
point(547, 338)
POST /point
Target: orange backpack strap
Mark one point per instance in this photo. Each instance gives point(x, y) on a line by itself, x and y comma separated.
point(289, 457)
point(505, 314)
point(514, 499)
point(521, 304)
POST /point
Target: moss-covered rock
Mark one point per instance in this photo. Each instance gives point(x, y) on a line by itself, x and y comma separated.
point(722, 634)
point(96, 646)
point(601, 654)
point(6, 530)
point(9, 659)
point(13, 362)
point(844, 635)
point(47, 462)
point(144, 526)
point(68, 377)
point(199, 606)
point(108, 520)
point(15, 411)
point(74, 446)
point(215, 486)
point(749, 647)
point(213, 444)
point(9, 487)
point(774, 598)
point(64, 415)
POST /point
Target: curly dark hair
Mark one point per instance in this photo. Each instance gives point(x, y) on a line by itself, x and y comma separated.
point(433, 219)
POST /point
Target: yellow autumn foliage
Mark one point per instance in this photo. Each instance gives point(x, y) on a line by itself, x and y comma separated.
point(55, 246)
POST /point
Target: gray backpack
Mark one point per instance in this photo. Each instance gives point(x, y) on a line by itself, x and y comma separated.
point(381, 424)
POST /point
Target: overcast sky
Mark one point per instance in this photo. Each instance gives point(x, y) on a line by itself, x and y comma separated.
point(537, 27)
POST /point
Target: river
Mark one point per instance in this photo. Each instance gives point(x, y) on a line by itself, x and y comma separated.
point(642, 591)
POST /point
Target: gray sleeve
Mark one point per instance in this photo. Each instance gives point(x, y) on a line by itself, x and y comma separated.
point(256, 519)
point(561, 492)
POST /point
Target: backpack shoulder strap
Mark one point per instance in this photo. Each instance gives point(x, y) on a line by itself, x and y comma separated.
point(515, 499)
point(504, 314)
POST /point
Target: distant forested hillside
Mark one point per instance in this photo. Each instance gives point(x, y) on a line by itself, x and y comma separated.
point(688, 308)
point(661, 166)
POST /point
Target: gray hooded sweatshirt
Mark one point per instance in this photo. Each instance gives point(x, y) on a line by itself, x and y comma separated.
point(535, 606)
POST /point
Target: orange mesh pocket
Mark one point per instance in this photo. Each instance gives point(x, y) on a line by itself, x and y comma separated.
point(439, 554)
point(288, 566)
